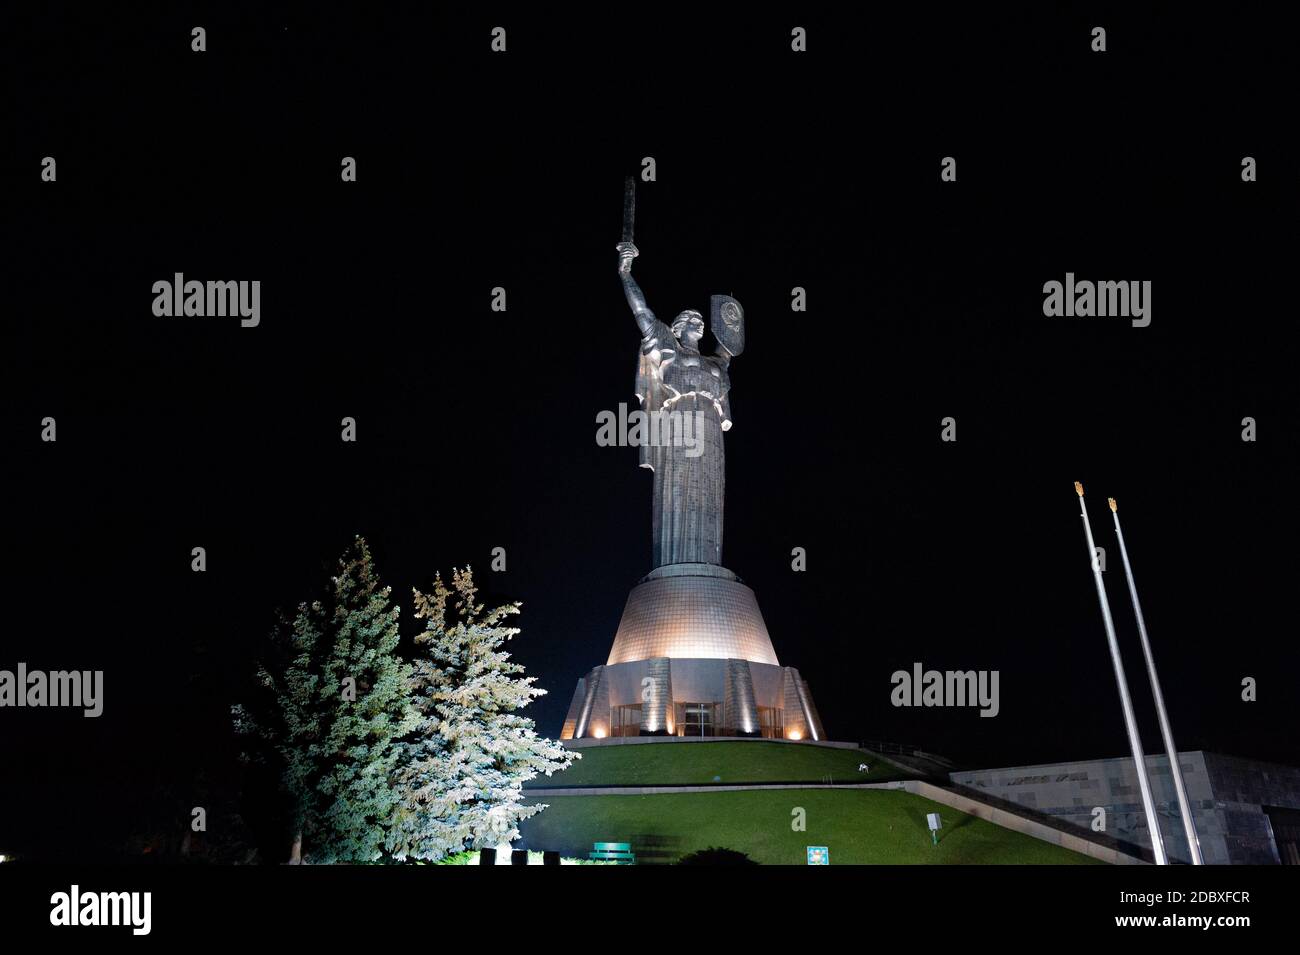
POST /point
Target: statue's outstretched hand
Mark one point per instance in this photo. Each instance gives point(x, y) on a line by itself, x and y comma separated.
point(626, 253)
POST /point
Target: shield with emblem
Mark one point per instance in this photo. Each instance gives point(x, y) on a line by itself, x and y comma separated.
point(727, 322)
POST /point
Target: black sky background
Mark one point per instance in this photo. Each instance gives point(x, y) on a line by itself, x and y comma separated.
point(476, 429)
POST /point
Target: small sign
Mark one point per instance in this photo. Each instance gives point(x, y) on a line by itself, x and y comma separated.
point(933, 820)
point(819, 855)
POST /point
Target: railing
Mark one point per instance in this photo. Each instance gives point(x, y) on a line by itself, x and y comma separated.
point(886, 748)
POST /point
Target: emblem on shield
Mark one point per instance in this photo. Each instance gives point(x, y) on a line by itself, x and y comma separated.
point(727, 322)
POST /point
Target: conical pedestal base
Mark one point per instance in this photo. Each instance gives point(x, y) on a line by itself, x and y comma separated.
point(692, 657)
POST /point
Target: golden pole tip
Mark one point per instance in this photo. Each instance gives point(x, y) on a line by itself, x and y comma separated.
point(1113, 505)
point(1078, 489)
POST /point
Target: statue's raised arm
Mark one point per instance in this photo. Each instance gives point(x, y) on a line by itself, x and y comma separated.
point(635, 298)
point(627, 251)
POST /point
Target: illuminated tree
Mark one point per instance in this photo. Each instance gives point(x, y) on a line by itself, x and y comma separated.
point(462, 778)
point(338, 703)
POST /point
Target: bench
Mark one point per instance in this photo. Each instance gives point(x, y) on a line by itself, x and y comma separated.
point(620, 852)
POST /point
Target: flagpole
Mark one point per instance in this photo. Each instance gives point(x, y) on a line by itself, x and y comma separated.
point(1184, 807)
point(1130, 723)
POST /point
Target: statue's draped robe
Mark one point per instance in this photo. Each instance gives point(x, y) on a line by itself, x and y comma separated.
point(686, 506)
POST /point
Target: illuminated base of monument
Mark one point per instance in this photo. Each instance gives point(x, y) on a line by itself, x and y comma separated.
point(692, 657)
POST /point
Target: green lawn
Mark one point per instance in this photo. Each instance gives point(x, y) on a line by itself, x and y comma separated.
point(859, 827)
point(663, 764)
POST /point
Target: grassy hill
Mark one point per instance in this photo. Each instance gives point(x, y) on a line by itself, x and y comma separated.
point(731, 762)
point(859, 826)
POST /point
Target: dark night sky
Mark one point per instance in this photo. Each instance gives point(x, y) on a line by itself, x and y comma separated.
point(477, 429)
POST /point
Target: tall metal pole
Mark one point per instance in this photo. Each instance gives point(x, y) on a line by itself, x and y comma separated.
point(1184, 807)
point(1130, 723)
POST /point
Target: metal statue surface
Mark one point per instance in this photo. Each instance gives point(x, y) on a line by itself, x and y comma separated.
point(691, 390)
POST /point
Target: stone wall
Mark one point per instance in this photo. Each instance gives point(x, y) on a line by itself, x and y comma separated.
point(1227, 795)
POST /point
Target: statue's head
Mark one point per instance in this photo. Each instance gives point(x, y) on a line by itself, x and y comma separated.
point(688, 326)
